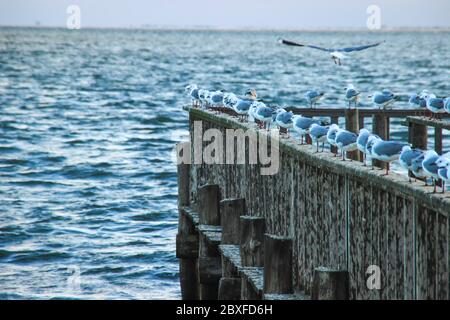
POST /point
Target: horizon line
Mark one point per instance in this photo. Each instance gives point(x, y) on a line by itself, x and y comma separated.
point(238, 29)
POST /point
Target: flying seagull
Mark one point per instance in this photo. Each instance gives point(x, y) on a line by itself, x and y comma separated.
point(337, 54)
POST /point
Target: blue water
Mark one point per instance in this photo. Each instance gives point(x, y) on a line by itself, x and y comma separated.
point(88, 120)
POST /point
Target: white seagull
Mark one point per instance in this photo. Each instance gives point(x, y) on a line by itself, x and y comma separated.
point(337, 54)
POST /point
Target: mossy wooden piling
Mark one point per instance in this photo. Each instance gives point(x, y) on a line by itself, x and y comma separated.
point(341, 219)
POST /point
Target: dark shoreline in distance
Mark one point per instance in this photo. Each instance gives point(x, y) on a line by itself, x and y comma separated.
point(249, 29)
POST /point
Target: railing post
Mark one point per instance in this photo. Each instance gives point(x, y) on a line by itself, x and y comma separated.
point(438, 140)
point(330, 284)
point(418, 135)
point(352, 124)
point(209, 261)
point(277, 265)
point(380, 127)
point(187, 239)
point(230, 212)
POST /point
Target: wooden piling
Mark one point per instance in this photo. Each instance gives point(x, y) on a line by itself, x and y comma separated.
point(187, 240)
point(277, 265)
point(209, 201)
point(330, 284)
point(352, 124)
point(418, 135)
point(252, 231)
point(209, 261)
point(438, 140)
point(230, 212)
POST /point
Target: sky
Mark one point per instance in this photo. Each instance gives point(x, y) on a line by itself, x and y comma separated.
point(228, 14)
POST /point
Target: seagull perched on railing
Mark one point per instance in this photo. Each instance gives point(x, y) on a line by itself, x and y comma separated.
point(430, 166)
point(346, 141)
point(407, 156)
point(302, 125)
point(331, 135)
point(318, 134)
point(383, 98)
point(337, 54)
point(284, 119)
point(443, 164)
point(417, 167)
point(351, 95)
point(192, 92)
point(313, 96)
point(387, 151)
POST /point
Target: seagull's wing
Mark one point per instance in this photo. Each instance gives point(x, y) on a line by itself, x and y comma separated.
point(360, 48)
point(293, 43)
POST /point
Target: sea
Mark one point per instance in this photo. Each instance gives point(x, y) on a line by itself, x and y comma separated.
point(88, 123)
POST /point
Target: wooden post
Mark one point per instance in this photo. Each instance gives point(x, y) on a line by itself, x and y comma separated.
point(208, 200)
point(186, 240)
point(438, 140)
point(330, 284)
point(230, 212)
point(252, 231)
point(209, 261)
point(380, 127)
point(277, 264)
point(418, 135)
point(334, 119)
point(352, 124)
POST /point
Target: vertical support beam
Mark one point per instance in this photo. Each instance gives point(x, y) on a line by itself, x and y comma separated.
point(208, 200)
point(187, 239)
point(334, 119)
point(277, 265)
point(230, 212)
point(352, 124)
point(209, 261)
point(380, 127)
point(330, 284)
point(252, 231)
point(418, 136)
point(438, 140)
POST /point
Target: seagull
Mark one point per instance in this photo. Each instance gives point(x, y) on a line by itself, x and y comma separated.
point(435, 105)
point(447, 104)
point(351, 95)
point(346, 141)
point(430, 166)
point(251, 94)
point(417, 167)
point(318, 134)
point(242, 107)
point(443, 164)
point(215, 99)
point(331, 135)
point(230, 99)
point(407, 156)
point(284, 119)
point(203, 97)
point(416, 100)
point(313, 97)
point(337, 54)
point(383, 98)
point(373, 138)
point(265, 115)
point(192, 92)
point(302, 125)
point(387, 151)
point(361, 143)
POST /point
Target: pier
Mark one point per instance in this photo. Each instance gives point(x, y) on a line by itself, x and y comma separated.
point(320, 228)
